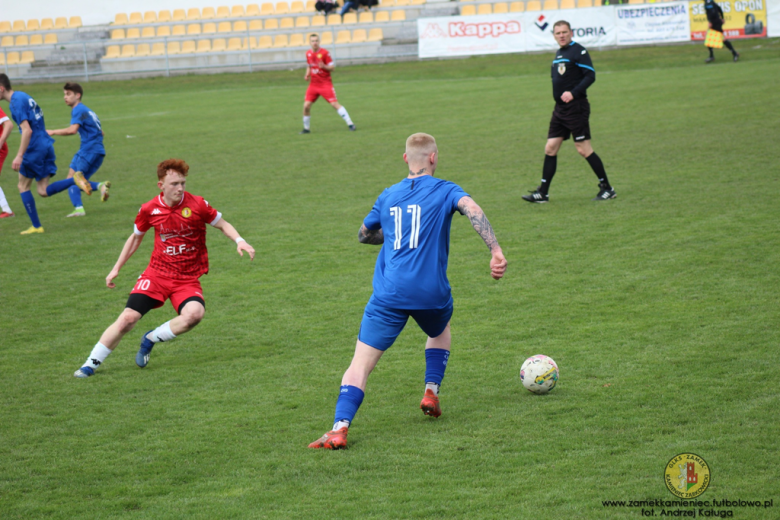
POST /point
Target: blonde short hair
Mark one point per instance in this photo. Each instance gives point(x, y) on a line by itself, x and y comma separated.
point(419, 146)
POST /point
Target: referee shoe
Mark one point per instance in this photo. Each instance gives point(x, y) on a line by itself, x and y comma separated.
point(536, 197)
point(606, 192)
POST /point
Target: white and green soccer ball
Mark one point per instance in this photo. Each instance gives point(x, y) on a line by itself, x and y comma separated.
point(539, 374)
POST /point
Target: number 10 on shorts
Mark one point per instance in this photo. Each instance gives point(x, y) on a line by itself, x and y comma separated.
point(414, 238)
point(142, 285)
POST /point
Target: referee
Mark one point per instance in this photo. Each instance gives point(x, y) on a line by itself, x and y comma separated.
point(572, 74)
point(715, 19)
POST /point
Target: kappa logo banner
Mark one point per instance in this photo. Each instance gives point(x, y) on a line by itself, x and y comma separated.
point(592, 27)
point(742, 19)
point(468, 35)
point(653, 23)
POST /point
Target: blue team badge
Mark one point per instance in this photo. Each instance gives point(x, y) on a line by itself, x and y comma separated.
point(561, 68)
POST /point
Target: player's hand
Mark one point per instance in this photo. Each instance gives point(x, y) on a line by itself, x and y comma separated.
point(497, 265)
point(243, 246)
point(17, 163)
point(50, 132)
point(567, 96)
point(110, 278)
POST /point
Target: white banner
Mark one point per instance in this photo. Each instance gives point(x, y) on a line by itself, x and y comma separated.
point(467, 35)
point(653, 23)
point(773, 18)
point(592, 27)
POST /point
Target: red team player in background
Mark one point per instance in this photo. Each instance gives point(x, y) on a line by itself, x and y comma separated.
point(178, 260)
point(5, 130)
point(319, 66)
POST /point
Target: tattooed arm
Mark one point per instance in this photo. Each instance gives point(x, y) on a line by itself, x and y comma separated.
point(374, 237)
point(482, 226)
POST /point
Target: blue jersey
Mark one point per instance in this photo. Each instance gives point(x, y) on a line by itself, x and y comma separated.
point(90, 131)
point(415, 216)
point(24, 108)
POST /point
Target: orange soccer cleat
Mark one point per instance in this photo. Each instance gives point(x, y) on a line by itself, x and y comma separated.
point(333, 440)
point(430, 404)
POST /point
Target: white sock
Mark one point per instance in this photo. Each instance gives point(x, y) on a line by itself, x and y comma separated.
point(339, 425)
point(161, 333)
point(98, 355)
point(343, 113)
point(432, 386)
point(307, 122)
point(4, 203)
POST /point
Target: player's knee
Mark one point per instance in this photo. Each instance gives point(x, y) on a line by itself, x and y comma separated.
point(193, 316)
point(127, 321)
point(42, 191)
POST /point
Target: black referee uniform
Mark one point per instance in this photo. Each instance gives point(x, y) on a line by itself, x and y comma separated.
point(715, 17)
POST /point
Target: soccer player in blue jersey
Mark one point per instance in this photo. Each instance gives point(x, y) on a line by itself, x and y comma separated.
point(411, 221)
point(35, 158)
point(91, 153)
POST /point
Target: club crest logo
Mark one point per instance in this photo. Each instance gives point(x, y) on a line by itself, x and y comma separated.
point(687, 475)
point(541, 23)
point(186, 212)
point(561, 69)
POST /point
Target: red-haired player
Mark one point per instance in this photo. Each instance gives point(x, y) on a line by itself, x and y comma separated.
point(178, 260)
point(5, 130)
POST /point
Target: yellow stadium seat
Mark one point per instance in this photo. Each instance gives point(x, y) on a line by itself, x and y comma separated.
point(584, 3)
point(164, 17)
point(193, 13)
point(120, 19)
point(296, 7)
point(147, 32)
point(517, 7)
point(287, 23)
point(13, 58)
point(223, 11)
point(163, 31)
point(266, 8)
point(272, 24)
point(280, 41)
point(256, 25)
point(118, 34)
point(401, 3)
point(550, 5)
point(193, 28)
point(5, 27)
point(349, 19)
point(317, 20)
point(158, 49)
point(143, 50)
point(382, 16)
point(302, 21)
point(367, 17)
point(136, 18)
point(47, 24)
point(359, 36)
point(311, 6)
point(534, 5)
point(22, 40)
point(27, 57)
point(416, 2)
point(239, 26)
point(209, 28)
point(174, 48)
point(112, 51)
point(2, 58)
point(237, 11)
point(249, 43)
point(375, 35)
point(61, 23)
point(399, 16)
point(7, 41)
point(36, 39)
point(500, 8)
point(208, 13)
point(19, 26)
point(343, 37)
point(485, 9)
point(74, 22)
point(234, 44)
point(326, 38)
point(265, 42)
point(50, 39)
point(252, 10)
point(33, 25)
point(635, 2)
point(567, 4)
point(179, 15)
point(225, 27)
point(188, 47)
point(296, 40)
point(128, 51)
point(334, 19)
point(219, 45)
point(133, 33)
point(179, 30)
point(282, 8)
point(150, 17)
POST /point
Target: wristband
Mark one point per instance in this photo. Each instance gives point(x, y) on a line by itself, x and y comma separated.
point(239, 239)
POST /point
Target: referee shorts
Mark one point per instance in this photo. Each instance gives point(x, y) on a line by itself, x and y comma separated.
point(571, 119)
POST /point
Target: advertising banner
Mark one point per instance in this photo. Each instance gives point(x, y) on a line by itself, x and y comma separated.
point(653, 23)
point(592, 27)
point(773, 18)
point(467, 35)
point(743, 19)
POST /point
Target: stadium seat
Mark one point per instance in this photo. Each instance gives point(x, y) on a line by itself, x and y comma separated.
point(401, 3)
point(256, 25)
point(272, 24)
point(466, 10)
point(150, 17)
point(61, 23)
point(50, 39)
point(252, 10)
point(174, 48)
point(584, 3)
point(375, 35)
point(287, 23)
point(239, 26)
point(296, 40)
point(517, 7)
point(188, 47)
point(33, 25)
point(147, 32)
point(5, 27)
point(223, 12)
point(234, 44)
point(237, 11)
point(367, 17)
point(7, 41)
point(163, 31)
point(120, 19)
point(334, 19)
point(193, 13)
point(635, 1)
point(2, 58)
point(326, 38)
point(501, 8)
point(36, 39)
point(179, 15)
point(143, 50)
point(343, 37)
point(382, 16)
point(567, 4)
point(208, 13)
point(349, 19)
point(22, 40)
point(47, 24)
point(534, 5)
point(193, 28)
point(158, 49)
point(249, 43)
point(317, 20)
point(280, 41)
point(485, 9)
point(296, 7)
point(164, 17)
point(311, 6)
point(359, 36)
point(128, 51)
point(219, 45)
point(75, 22)
point(225, 27)
point(19, 26)
point(13, 58)
point(113, 51)
point(133, 33)
point(209, 28)
point(550, 5)
point(135, 18)
point(416, 2)
point(302, 21)
point(264, 42)
point(179, 30)
point(266, 8)
point(282, 8)
point(399, 16)
point(27, 57)
point(118, 34)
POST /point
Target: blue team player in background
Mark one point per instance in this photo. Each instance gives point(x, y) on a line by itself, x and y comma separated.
point(90, 156)
point(411, 221)
point(35, 159)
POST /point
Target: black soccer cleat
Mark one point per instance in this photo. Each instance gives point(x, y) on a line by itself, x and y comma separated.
point(536, 197)
point(304, 131)
point(606, 192)
point(352, 128)
point(710, 59)
point(736, 56)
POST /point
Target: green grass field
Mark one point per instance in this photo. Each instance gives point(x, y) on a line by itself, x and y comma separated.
point(660, 307)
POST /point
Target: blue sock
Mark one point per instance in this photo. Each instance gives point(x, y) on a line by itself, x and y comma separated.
point(95, 185)
point(58, 186)
point(348, 403)
point(29, 205)
point(435, 364)
point(75, 196)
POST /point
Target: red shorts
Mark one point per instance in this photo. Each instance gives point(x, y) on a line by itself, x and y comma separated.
point(161, 288)
point(3, 155)
point(325, 90)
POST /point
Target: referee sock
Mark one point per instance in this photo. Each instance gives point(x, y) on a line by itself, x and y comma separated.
point(307, 122)
point(29, 205)
point(728, 46)
point(711, 54)
point(344, 115)
point(161, 333)
point(350, 399)
point(548, 172)
point(97, 356)
point(598, 168)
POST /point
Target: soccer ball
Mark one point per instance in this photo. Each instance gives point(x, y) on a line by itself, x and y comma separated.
point(539, 374)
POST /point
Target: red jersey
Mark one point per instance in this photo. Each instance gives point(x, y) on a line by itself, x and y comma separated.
point(3, 118)
point(179, 235)
point(318, 75)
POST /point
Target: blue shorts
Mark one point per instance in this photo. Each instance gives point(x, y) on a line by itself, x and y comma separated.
point(382, 325)
point(86, 163)
point(39, 164)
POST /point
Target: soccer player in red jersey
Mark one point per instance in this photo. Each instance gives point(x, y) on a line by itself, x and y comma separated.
point(5, 130)
point(320, 65)
point(178, 260)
